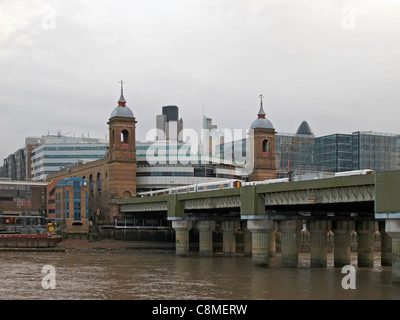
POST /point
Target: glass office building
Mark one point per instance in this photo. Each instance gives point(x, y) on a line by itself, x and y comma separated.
point(377, 151)
point(294, 151)
point(334, 152)
point(359, 150)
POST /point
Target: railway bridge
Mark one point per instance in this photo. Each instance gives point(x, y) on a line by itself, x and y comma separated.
point(363, 203)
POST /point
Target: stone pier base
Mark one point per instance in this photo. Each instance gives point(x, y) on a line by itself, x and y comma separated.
point(261, 233)
point(342, 242)
point(228, 237)
point(247, 246)
point(206, 229)
point(318, 243)
point(182, 229)
point(393, 230)
point(386, 245)
point(365, 239)
point(289, 243)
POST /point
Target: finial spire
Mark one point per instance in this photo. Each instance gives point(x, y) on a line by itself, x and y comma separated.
point(261, 112)
point(122, 101)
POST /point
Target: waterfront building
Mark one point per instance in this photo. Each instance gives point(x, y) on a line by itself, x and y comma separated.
point(72, 205)
point(51, 200)
point(22, 203)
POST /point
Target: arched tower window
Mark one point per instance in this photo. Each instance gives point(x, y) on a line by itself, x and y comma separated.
point(124, 136)
point(265, 147)
point(124, 139)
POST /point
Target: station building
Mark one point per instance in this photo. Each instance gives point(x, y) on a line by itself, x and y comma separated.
point(113, 176)
point(131, 166)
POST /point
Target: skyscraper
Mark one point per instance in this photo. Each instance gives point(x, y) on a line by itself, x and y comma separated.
point(171, 112)
point(168, 124)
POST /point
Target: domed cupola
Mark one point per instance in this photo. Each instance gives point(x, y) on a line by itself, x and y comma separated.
point(261, 121)
point(305, 129)
point(122, 110)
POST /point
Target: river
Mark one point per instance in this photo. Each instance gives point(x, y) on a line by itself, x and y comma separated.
point(153, 276)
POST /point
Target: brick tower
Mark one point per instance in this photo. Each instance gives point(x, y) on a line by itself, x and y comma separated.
point(122, 150)
point(262, 144)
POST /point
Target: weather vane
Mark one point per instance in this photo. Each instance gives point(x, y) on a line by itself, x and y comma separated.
point(122, 84)
point(261, 97)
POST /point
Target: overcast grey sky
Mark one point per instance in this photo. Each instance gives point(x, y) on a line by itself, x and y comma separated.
point(333, 63)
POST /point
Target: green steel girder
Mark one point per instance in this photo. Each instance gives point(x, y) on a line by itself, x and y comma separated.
point(382, 188)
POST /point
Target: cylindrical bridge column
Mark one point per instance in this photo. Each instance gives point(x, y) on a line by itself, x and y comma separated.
point(182, 228)
point(365, 243)
point(386, 245)
point(261, 233)
point(228, 237)
point(318, 241)
point(289, 243)
point(342, 230)
point(272, 241)
point(206, 229)
point(392, 227)
point(247, 240)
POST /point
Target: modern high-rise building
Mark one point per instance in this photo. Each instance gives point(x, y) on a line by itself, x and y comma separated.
point(296, 151)
point(55, 153)
point(168, 124)
point(334, 152)
point(359, 150)
point(211, 138)
point(373, 150)
point(207, 124)
point(45, 155)
point(15, 166)
point(171, 112)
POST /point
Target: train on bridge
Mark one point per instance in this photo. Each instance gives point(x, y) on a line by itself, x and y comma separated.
point(233, 183)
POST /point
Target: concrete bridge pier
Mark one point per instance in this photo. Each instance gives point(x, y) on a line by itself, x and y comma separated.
point(365, 239)
point(182, 228)
point(318, 242)
point(228, 237)
point(206, 229)
point(261, 234)
point(272, 240)
point(289, 243)
point(342, 230)
point(393, 229)
point(386, 245)
point(247, 245)
point(246, 240)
